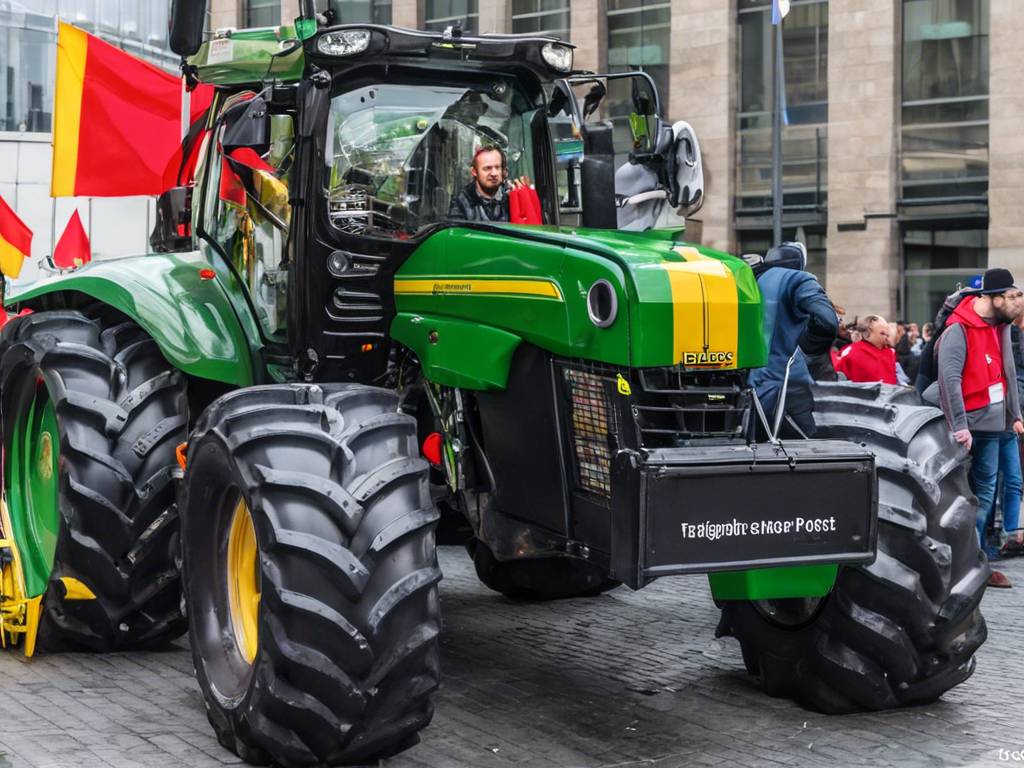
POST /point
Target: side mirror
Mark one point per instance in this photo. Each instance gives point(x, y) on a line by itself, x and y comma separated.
point(173, 230)
point(593, 99)
point(686, 180)
point(188, 17)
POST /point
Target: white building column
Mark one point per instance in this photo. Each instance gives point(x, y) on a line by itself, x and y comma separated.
point(407, 13)
point(863, 151)
point(588, 30)
point(703, 91)
point(225, 13)
point(495, 17)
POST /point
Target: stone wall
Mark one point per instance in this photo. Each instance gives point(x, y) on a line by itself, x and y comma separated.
point(703, 91)
point(863, 83)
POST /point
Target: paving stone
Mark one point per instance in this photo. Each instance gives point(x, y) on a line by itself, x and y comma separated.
point(624, 680)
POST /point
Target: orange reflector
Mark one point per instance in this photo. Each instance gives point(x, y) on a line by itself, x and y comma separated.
point(179, 454)
point(367, 347)
point(432, 448)
point(207, 274)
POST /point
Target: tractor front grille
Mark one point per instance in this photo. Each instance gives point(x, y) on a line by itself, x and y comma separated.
point(593, 424)
point(670, 407)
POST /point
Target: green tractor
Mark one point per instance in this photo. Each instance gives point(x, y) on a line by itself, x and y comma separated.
point(260, 432)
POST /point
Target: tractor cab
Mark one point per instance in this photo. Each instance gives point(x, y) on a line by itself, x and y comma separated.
point(317, 179)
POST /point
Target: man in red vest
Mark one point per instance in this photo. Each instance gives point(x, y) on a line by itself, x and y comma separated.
point(978, 394)
point(871, 359)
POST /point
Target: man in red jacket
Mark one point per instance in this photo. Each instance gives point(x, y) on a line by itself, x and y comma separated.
point(978, 394)
point(870, 359)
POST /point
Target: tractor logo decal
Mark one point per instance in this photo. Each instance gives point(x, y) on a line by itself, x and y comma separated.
point(705, 310)
point(708, 359)
point(479, 285)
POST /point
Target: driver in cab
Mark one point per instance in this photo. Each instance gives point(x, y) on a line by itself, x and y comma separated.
point(485, 197)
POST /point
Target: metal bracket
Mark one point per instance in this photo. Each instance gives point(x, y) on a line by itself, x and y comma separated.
point(19, 614)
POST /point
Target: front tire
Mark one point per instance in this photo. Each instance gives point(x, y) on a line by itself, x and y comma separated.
point(315, 615)
point(904, 629)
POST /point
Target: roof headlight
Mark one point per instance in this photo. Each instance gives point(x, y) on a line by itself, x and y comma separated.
point(347, 42)
point(557, 56)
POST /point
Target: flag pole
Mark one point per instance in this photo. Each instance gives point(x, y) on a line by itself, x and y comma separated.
point(779, 96)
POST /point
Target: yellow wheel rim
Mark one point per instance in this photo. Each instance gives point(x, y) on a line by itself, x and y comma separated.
point(243, 581)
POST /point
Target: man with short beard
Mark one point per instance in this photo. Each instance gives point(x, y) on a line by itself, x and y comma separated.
point(484, 198)
point(978, 394)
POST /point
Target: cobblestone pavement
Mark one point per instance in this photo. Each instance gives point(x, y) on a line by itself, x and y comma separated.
point(627, 679)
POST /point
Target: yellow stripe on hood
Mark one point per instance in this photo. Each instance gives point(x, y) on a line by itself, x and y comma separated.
point(705, 311)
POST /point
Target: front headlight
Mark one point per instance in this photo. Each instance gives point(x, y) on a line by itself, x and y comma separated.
point(557, 56)
point(345, 43)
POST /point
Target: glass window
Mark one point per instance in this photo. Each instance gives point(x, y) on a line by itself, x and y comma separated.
point(262, 13)
point(250, 215)
point(639, 33)
point(26, 89)
point(944, 147)
point(938, 261)
point(359, 11)
point(28, 50)
point(548, 17)
point(445, 13)
point(399, 154)
point(805, 120)
point(945, 100)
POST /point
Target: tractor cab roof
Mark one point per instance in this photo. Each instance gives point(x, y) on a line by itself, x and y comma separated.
point(352, 44)
point(235, 57)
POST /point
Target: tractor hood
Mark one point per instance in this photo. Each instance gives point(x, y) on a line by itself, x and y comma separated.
point(489, 288)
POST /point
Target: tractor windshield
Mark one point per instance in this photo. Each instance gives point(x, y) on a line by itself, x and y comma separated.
point(399, 153)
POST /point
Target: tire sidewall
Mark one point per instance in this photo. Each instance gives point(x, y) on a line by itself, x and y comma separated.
point(212, 483)
point(24, 373)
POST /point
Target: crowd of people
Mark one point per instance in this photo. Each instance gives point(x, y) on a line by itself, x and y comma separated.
point(969, 363)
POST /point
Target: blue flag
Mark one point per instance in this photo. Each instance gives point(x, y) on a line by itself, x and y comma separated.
point(779, 10)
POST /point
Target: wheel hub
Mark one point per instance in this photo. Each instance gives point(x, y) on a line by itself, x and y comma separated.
point(243, 582)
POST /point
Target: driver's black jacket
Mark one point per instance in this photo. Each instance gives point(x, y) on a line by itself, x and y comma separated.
point(468, 205)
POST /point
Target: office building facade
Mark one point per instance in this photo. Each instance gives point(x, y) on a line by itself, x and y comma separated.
point(900, 169)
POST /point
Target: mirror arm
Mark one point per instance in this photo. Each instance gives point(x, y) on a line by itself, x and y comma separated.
point(643, 197)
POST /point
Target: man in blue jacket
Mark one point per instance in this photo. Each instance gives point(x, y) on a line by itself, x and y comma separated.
point(798, 318)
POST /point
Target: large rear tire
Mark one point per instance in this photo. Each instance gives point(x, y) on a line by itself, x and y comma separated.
point(310, 574)
point(904, 629)
point(92, 414)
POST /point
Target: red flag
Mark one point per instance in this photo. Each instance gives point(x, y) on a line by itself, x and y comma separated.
point(73, 247)
point(117, 119)
point(15, 241)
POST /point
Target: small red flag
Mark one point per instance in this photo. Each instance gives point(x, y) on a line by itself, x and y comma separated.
point(73, 247)
point(15, 241)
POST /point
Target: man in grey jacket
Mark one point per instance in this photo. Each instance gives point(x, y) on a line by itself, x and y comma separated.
point(978, 393)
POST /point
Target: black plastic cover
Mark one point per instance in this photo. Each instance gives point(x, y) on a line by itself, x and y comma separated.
point(722, 508)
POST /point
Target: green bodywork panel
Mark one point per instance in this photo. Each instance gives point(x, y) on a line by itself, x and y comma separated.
point(245, 56)
point(532, 283)
point(32, 482)
point(774, 583)
point(458, 353)
point(191, 319)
